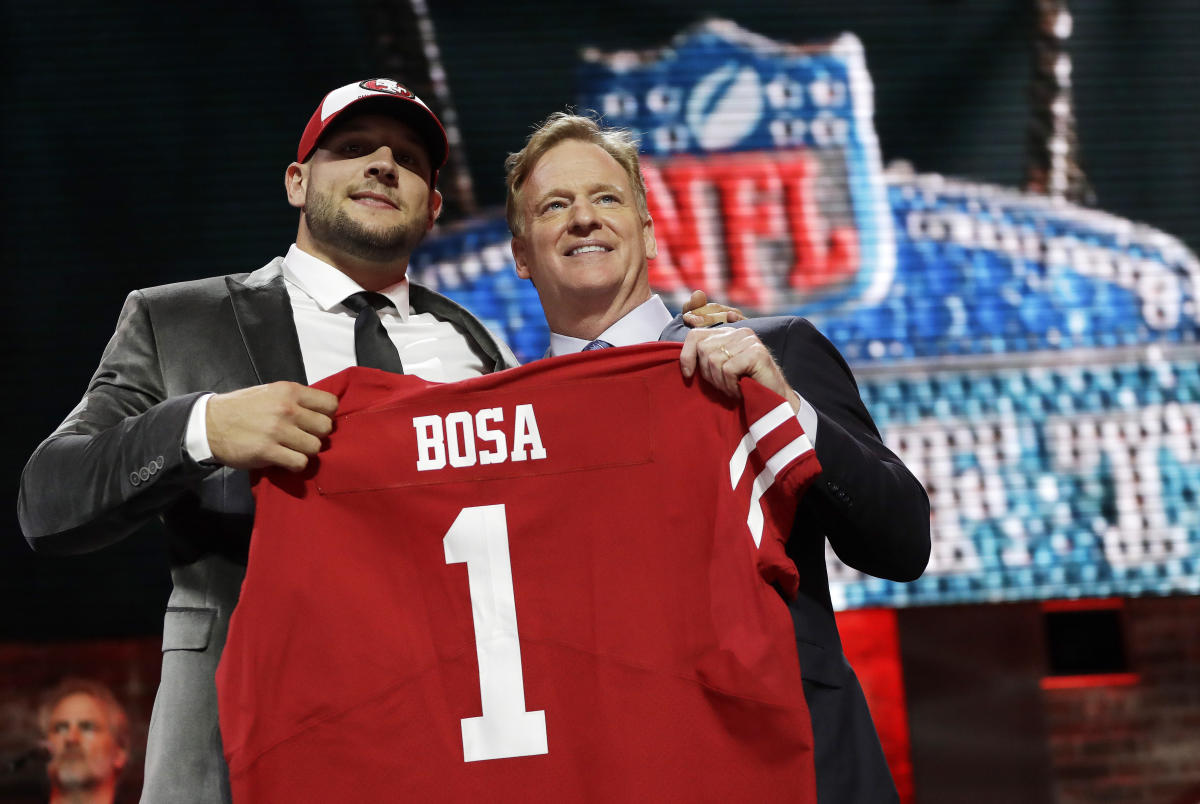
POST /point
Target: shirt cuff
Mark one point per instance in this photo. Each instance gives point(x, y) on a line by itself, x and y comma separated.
point(195, 440)
point(807, 416)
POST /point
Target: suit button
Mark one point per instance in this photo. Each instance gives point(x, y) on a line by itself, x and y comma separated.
point(144, 473)
point(152, 467)
point(158, 462)
point(134, 479)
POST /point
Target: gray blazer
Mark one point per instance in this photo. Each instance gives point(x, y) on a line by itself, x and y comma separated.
point(875, 515)
point(118, 460)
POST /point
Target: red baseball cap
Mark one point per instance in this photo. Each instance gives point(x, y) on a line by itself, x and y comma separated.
point(392, 98)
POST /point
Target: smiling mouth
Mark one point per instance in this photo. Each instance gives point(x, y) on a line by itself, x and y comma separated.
point(588, 249)
point(374, 200)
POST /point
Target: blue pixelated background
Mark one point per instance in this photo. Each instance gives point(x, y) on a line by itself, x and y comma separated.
point(146, 148)
point(1032, 361)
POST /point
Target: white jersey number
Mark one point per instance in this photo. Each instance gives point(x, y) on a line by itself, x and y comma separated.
point(479, 538)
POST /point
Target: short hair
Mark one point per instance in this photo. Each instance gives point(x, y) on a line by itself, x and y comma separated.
point(118, 721)
point(621, 144)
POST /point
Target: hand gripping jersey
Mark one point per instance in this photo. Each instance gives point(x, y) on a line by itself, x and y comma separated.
point(555, 583)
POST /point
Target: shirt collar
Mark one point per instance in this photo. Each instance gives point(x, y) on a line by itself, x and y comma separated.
point(328, 287)
point(641, 324)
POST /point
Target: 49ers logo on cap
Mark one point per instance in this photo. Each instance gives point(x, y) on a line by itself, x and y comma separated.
point(389, 86)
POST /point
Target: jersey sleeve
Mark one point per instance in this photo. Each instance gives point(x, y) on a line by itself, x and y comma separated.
point(773, 463)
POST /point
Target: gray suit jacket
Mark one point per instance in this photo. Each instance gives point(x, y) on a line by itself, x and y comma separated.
point(875, 515)
point(118, 460)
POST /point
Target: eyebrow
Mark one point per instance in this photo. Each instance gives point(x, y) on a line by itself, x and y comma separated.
point(595, 188)
point(349, 127)
point(357, 126)
point(413, 144)
point(69, 720)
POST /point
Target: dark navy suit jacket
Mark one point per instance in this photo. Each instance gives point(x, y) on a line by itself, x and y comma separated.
point(875, 514)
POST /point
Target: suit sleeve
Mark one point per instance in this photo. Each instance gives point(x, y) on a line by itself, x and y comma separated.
point(873, 510)
point(118, 458)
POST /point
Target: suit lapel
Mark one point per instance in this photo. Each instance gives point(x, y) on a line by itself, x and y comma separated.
point(674, 331)
point(424, 300)
point(268, 329)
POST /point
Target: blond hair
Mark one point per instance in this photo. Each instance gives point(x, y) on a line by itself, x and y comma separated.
point(619, 143)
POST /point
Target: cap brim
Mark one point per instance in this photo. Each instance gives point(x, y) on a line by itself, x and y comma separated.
point(407, 111)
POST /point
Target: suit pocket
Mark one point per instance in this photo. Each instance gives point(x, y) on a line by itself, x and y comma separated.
point(820, 665)
point(188, 629)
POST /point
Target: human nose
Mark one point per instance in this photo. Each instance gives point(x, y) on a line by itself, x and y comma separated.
point(382, 166)
point(583, 216)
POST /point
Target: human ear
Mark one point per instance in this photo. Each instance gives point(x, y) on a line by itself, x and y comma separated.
point(648, 240)
point(520, 252)
point(295, 184)
point(435, 207)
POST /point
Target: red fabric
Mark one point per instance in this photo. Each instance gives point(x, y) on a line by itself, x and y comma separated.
point(649, 637)
point(871, 641)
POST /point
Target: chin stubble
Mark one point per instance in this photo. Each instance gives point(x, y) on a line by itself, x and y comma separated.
point(333, 226)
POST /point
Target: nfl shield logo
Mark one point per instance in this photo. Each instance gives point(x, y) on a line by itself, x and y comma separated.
point(761, 164)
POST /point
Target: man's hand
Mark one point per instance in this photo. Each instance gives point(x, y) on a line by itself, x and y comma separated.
point(723, 355)
point(280, 424)
point(699, 312)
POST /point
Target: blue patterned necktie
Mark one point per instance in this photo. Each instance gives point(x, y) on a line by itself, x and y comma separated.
point(372, 346)
point(597, 344)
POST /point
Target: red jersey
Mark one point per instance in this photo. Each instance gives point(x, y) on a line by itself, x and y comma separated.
point(554, 583)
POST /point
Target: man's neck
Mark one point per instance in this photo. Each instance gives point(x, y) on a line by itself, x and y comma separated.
point(101, 794)
point(367, 274)
point(587, 322)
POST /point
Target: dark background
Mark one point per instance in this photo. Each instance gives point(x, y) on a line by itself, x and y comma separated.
point(146, 144)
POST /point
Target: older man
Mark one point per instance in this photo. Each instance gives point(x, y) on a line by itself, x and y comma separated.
point(86, 732)
point(582, 234)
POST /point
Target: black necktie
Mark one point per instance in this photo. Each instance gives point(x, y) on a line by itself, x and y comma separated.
point(596, 344)
point(372, 346)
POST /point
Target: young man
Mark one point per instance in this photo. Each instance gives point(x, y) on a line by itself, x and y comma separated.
point(582, 234)
point(203, 380)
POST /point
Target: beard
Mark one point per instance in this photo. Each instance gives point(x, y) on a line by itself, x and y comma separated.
point(72, 771)
point(333, 227)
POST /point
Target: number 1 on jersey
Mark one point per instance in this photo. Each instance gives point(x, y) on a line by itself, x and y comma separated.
point(479, 538)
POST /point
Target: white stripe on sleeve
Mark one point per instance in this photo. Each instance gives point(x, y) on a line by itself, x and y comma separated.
point(774, 464)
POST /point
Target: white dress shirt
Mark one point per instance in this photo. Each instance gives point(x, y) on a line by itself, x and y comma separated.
point(641, 324)
point(430, 348)
point(645, 323)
